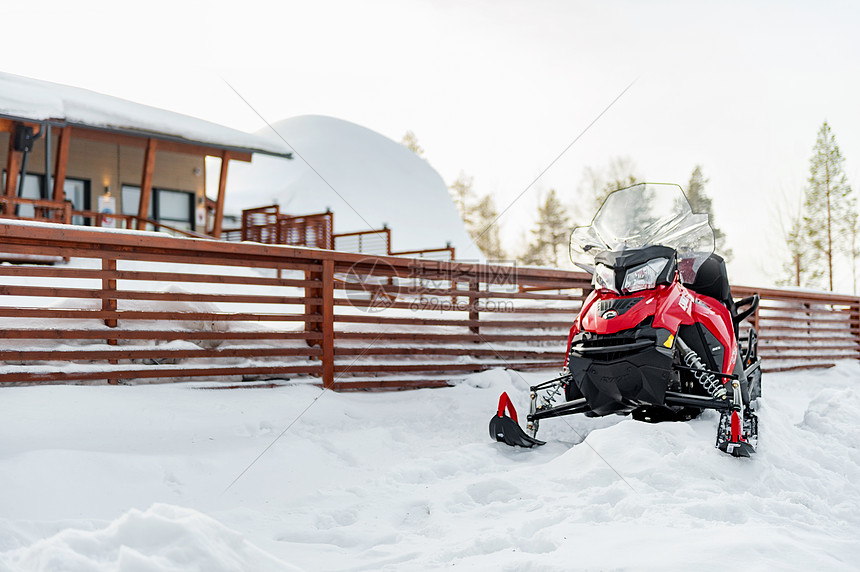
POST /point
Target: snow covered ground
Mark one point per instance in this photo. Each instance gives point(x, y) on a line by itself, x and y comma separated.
point(152, 477)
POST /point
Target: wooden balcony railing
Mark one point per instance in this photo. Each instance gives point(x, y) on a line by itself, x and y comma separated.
point(37, 209)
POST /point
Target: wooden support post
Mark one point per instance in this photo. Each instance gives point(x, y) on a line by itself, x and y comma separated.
point(109, 286)
point(62, 160)
point(146, 183)
point(13, 167)
point(755, 317)
point(324, 309)
point(473, 305)
point(310, 308)
point(222, 191)
point(328, 323)
point(855, 323)
point(109, 304)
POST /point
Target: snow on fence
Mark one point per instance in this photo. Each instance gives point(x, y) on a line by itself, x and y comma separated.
point(122, 305)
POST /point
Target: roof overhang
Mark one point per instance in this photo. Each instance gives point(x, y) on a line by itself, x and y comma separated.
point(98, 116)
point(138, 138)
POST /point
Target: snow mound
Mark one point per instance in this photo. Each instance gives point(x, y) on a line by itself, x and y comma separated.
point(365, 178)
point(163, 538)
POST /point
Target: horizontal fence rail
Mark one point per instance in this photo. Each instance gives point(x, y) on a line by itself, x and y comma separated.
point(799, 330)
point(122, 305)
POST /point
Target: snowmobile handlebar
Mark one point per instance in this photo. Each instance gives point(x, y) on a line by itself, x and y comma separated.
point(752, 302)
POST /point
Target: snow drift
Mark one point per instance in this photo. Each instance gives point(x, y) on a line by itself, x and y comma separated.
point(164, 538)
point(412, 481)
point(367, 180)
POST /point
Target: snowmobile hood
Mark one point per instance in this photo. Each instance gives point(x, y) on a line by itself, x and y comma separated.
point(607, 313)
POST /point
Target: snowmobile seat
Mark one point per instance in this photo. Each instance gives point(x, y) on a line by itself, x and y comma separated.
point(713, 280)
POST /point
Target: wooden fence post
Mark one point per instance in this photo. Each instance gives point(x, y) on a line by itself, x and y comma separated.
point(328, 323)
point(109, 303)
point(310, 307)
point(324, 310)
point(755, 318)
point(855, 323)
point(108, 287)
point(474, 285)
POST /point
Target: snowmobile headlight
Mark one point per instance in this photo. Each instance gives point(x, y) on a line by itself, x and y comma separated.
point(604, 278)
point(644, 276)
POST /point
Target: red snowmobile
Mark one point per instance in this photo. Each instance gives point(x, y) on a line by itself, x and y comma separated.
point(658, 336)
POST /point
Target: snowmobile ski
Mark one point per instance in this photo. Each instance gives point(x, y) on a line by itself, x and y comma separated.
point(736, 438)
point(507, 429)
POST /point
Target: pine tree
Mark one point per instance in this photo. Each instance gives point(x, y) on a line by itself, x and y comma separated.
point(597, 184)
point(411, 141)
point(798, 271)
point(702, 203)
point(464, 197)
point(854, 223)
point(828, 205)
point(550, 235)
point(485, 229)
point(479, 216)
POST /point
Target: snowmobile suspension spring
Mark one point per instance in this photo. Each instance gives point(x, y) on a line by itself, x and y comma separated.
point(707, 380)
point(549, 399)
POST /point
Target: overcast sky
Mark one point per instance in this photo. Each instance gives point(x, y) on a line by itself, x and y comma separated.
point(499, 89)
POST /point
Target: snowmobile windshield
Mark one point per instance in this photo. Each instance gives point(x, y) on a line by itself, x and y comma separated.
point(646, 215)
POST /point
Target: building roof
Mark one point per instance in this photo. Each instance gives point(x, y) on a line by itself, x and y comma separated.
point(37, 100)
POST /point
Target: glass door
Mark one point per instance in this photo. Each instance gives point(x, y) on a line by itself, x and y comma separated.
point(76, 192)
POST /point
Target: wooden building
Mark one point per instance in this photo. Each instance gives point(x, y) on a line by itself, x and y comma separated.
point(110, 161)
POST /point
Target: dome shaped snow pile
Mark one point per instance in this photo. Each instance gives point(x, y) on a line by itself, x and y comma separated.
point(366, 179)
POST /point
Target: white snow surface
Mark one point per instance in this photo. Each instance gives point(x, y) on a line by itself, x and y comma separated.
point(38, 100)
point(365, 178)
point(183, 477)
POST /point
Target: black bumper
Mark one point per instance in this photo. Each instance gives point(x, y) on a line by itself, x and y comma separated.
point(630, 376)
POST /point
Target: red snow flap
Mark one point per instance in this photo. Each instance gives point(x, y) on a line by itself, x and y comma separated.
point(505, 402)
point(736, 427)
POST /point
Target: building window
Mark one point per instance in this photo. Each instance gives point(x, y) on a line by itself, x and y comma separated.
point(173, 208)
point(131, 200)
point(176, 208)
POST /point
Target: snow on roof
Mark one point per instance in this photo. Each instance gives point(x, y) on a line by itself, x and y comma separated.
point(366, 178)
point(37, 100)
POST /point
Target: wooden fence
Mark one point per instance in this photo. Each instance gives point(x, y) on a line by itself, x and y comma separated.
point(36, 209)
point(376, 242)
point(144, 306)
point(269, 226)
point(804, 329)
